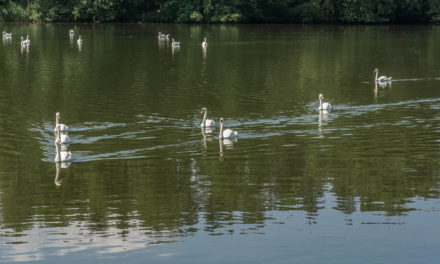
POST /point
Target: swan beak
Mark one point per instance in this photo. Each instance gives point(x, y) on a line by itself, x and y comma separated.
point(201, 112)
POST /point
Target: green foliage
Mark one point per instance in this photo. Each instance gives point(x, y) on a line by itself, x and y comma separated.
point(433, 10)
point(359, 11)
point(223, 11)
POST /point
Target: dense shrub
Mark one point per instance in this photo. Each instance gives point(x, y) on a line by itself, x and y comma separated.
point(223, 11)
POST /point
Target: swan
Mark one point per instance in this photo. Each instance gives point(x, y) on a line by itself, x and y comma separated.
point(175, 43)
point(323, 106)
point(206, 122)
point(6, 35)
point(204, 43)
point(28, 40)
point(162, 36)
point(58, 126)
point(23, 42)
point(79, 41)
point(227, 133)
point(381, 78)
point(71, 33)
point(61, 156)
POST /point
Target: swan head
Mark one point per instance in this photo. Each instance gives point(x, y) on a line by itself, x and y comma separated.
point(376, 70)
point(321, 96)
point(58, 115)
point(221, 120)
point(203, 110)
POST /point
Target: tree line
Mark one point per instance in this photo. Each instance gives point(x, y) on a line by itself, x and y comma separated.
point(222, 11)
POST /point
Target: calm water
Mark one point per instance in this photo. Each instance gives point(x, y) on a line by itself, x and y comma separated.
point(359, 184)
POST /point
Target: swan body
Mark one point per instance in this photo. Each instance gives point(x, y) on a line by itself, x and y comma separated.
point(323, 106)
point(204, 43)
point(206, 122)
point(23, 42)
point(6, 35)
point(227, 133)
point(71, 33)
point(79, 41)
point(175, 43)
point(381, 78)
point(162, 36)
point(63, 138)
point(61, 155)
point(28, 40)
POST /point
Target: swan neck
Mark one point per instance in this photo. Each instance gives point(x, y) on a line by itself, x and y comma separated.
point(320, 102)
point(204, 118)
point(377, 73)
point(220, 135)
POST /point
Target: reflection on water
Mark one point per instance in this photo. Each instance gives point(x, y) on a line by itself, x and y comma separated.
point(146, 175)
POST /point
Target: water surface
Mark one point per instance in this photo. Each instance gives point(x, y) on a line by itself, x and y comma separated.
point(357, 184)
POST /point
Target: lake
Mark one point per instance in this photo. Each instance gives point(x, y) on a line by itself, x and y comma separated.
point(357, 184)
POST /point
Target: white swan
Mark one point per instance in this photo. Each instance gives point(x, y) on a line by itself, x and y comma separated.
point(61, 155)
point(58, 126)
point(79, 41)
point(6, 35)
point(227, 133)
point(381, 78)
point(175, 43)
point(204, 43)
point(206, 122)
point(323, 106)
point(23, 42)
point(161, 36)
point(71, 33)
point(28, 40)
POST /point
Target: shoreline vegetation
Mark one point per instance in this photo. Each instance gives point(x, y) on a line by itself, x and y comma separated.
point(222, 11)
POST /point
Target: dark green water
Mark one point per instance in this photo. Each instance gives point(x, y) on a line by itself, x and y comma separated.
point(359, 184)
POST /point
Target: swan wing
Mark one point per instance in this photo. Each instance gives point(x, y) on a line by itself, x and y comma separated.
point(228, 133)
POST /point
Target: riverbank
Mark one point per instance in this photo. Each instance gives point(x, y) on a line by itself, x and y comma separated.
point(239, 11)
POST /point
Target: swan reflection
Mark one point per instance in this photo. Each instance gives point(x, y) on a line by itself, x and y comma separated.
point(175, 49)
point(228, 143)
point(322, 121)
point(24, 49)
point(58, 167)
point(204, 141)
point(385, 89)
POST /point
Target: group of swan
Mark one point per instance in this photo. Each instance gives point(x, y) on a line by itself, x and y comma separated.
point(209, 123)
point(26, 42)
point(62, 141)
point(176, 44)
point(382, 81)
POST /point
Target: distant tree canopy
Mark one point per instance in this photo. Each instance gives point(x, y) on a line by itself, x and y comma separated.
point(223, 11)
